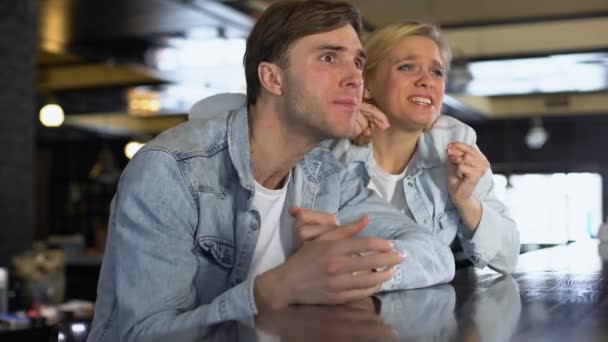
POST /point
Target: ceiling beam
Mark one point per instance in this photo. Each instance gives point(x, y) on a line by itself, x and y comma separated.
point(498, 107)
point(93, 76)
point(527, 39)
point(120, 124)
point(476, 12)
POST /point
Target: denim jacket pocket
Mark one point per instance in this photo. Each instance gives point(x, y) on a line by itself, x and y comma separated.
point(217, 250)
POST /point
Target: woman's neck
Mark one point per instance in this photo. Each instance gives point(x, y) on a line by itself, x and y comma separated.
point(394, 148)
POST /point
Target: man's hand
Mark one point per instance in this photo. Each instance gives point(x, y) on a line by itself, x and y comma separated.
point(317, 225)
point(312, 225)
point(329, 271)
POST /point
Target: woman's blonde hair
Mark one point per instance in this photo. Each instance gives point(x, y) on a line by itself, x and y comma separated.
point(379, 44)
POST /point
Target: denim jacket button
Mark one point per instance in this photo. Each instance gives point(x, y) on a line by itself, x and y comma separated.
point(410, 184)
point(425, 221)
point(253, 226)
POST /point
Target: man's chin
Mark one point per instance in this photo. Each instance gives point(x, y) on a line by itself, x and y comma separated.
point(339, 129)
point(330, 135)
point(344, 133)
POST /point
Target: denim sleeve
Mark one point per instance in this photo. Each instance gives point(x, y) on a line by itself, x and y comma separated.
point(427, 261)
point(495, 242)
point(153, 265)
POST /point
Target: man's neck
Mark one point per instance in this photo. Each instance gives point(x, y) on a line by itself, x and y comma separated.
point(275, 146)
point(394, 148)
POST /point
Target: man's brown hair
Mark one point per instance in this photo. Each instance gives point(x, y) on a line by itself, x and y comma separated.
point(283, 23)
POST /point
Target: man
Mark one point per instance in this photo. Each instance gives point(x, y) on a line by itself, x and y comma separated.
point(200, 231)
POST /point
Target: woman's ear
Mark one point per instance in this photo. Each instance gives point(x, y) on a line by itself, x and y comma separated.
point(271, 78)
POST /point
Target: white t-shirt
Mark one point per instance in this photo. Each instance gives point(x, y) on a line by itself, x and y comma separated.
point(271, 250)
point(388, 186)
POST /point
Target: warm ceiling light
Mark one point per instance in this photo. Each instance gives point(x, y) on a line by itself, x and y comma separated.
point(132, 147)
point(51, 115)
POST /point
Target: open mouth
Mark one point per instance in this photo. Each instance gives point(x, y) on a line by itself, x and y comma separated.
point(419, 100)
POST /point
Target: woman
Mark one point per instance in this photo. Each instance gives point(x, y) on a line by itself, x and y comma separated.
point(424, 163)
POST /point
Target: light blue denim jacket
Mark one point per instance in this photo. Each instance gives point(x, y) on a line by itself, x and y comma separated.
point(182, 231)
point(495, 242)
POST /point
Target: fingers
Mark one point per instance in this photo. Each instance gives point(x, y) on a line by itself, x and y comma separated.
point(371, 280)
point(367, 132)
point(347, 230)
point(309, 216)
point(374, 115)
point(363, 245)
point(375, 261)
point(325, 272)
point(313, 232)
point(469, 173)
point(461, 147)
point(460, 153)
point(362, 125)
point(312, 224)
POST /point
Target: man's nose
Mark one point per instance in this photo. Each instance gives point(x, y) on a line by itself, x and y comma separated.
point(353, 77)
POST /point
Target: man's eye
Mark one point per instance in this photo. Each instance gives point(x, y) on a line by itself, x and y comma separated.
point(359, 63)
point(328, 58)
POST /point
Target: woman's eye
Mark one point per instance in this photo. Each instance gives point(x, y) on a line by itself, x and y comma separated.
point(438, 72)
point(406, 67)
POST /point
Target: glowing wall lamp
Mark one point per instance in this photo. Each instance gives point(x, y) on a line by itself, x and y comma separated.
point(51, 115)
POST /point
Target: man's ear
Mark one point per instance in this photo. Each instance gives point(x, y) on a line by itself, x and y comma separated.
point(271, 77)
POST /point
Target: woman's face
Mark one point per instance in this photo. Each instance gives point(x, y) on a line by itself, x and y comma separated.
point(408, 85)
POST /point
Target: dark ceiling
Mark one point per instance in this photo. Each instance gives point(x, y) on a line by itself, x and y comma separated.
point(92, 52)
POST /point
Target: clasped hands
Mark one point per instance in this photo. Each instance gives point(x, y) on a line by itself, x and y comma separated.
point(330, 266)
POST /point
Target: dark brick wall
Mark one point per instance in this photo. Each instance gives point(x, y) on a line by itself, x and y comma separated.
point(18, 47)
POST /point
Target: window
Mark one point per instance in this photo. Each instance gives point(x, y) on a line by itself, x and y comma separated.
point(553, 208)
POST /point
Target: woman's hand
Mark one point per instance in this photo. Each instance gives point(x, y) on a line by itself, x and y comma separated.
point(465, 167)
point(369, 115)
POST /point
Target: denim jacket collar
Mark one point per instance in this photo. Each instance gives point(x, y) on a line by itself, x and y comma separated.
point(426, 155)
point(316, 164)
point(238, 146)
point(319, 164)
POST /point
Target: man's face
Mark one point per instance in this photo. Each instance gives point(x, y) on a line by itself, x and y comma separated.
point(324, 83)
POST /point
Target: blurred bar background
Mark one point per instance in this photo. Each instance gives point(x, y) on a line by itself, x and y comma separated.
point(85, 83)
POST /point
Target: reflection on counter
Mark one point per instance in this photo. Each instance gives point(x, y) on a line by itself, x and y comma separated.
point(491, 313)
point(422, 314)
